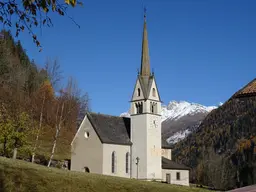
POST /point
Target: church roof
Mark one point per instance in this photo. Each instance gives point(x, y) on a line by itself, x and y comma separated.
point(146, 83)
point(113, 129)
point(145, 77)
point(145, 63)
point(169, 164)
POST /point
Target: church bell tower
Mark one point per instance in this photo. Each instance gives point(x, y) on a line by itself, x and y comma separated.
point(146, 120)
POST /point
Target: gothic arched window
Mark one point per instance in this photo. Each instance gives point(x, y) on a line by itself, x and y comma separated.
point(154, 92)
point(153, 107)
point(127, 162)
point(138, 92)
point(141, 108)
point(113, 162)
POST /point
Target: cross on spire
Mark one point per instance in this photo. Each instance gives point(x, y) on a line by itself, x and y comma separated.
point(145, 12)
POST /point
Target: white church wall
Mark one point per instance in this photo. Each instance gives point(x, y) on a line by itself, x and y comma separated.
point(146, 139)
point(86, 152)
point(139, 148)
point(183, 180)
point(120, 161)
point(167, 153)
point(154, 146)
point(159, 108)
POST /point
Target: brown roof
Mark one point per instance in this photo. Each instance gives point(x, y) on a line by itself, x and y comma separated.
point(113, 129)
point(169, 164)
point(247, 90)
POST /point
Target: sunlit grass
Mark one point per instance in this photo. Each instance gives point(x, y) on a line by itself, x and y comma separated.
point(16, 175)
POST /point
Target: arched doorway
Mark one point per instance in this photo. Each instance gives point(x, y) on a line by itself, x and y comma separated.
point(86, 169)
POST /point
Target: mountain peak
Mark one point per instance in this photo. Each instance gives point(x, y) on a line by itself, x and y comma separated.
point(178, 109)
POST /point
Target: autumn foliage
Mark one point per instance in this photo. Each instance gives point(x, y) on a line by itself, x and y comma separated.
point(46, 90)
point(222, 152)
point(30, 14)
point(32, 108)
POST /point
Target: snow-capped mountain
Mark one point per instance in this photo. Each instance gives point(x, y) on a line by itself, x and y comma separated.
point(177, 109)
point(125, 114)
point(180, 118)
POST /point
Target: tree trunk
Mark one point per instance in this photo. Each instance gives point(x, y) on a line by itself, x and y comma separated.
point(58, 127)
point(38, 130)
point(5, 147)
point(238, 178)
point(15, 150)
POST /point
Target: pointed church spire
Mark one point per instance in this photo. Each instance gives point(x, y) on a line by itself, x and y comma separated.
point(145, 65)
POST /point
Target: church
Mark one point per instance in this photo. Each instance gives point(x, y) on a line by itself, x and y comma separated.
point(130, 147)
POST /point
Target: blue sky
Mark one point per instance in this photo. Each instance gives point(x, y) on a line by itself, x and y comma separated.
point(201, 51)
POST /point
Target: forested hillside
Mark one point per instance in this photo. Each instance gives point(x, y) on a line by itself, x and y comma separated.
point(39, 113)
point(222, 151)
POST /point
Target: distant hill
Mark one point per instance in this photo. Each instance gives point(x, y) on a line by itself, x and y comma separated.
point(222, 149)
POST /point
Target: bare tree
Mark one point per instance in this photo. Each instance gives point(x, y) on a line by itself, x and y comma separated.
point(38, 130)
point(58, 127)
point(45, 95)
point(54, 73)
point(71, 104)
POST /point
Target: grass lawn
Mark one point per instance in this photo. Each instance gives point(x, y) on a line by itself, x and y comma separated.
point(21, 176)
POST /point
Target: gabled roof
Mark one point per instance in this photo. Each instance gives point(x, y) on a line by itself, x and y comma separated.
point(146, 84)
point(169, 164)
point(145, 76)
point(111, 129)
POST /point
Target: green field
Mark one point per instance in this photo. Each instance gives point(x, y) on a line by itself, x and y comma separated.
point(21, 176)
